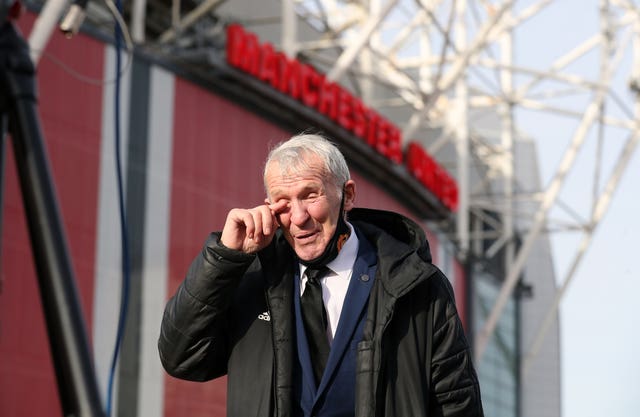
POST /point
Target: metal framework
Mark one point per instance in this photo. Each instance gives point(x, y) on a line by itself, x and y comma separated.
point(452, 74)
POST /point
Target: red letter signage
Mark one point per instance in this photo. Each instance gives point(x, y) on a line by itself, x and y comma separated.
point(303, 83)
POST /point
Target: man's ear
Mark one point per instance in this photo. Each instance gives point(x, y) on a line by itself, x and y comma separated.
point(349, 191)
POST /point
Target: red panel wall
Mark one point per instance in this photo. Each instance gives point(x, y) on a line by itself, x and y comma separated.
point(70, 113)
point(370, 195)
point(218, 155)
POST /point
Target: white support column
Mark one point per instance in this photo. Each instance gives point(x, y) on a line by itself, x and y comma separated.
point(367, 62)
point(289, 28)
point(508, 162)
point(138, 16)
point(425, 80)
point(155, 267)
point(44, 26)
point(461, 126)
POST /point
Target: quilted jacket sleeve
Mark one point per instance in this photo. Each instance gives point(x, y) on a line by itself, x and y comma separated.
point(193, 341)
point(456, 392)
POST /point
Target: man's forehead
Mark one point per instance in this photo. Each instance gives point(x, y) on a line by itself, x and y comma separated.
point(308, 173)
point(308, 168)
point(288, 163)
point(282, 183)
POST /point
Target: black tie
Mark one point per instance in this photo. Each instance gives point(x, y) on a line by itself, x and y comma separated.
point(314, 317)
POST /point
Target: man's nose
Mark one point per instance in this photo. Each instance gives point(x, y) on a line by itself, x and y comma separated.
point(299, 213)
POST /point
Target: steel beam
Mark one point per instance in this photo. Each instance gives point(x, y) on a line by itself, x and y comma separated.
point(349, 55)
point(590, 116)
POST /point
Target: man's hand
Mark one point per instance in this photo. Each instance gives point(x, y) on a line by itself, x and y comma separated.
point(250, 230)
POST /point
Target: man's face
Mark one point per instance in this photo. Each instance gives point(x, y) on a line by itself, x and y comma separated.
point(310, 216)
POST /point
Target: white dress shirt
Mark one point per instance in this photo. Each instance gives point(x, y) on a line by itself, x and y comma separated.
point(336, 284)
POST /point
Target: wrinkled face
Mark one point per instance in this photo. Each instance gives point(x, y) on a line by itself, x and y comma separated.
point(310, 216)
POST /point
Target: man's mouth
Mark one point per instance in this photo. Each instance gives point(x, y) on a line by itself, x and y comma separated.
point(305, 236)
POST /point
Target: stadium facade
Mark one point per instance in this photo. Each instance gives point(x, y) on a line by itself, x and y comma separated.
point(194, 135)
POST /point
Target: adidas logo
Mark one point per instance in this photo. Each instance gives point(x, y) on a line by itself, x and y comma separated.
point(264, 316)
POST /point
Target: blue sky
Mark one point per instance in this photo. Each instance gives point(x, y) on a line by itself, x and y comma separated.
point(599, 314)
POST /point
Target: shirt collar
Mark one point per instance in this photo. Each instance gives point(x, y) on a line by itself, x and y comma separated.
point(343, 263)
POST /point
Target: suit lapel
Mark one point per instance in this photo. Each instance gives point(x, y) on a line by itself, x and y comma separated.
point(354, 307)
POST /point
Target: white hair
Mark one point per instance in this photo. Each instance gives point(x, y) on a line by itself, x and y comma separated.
point(290, 157)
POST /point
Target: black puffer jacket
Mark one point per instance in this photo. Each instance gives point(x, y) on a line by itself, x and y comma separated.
point(233, 315)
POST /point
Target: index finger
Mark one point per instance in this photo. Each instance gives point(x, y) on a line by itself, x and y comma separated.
point(277, 207)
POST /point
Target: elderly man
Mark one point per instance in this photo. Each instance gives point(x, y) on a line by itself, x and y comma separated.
point(315, 308)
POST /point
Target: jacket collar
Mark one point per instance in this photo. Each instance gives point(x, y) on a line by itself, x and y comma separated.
point(404, 259)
